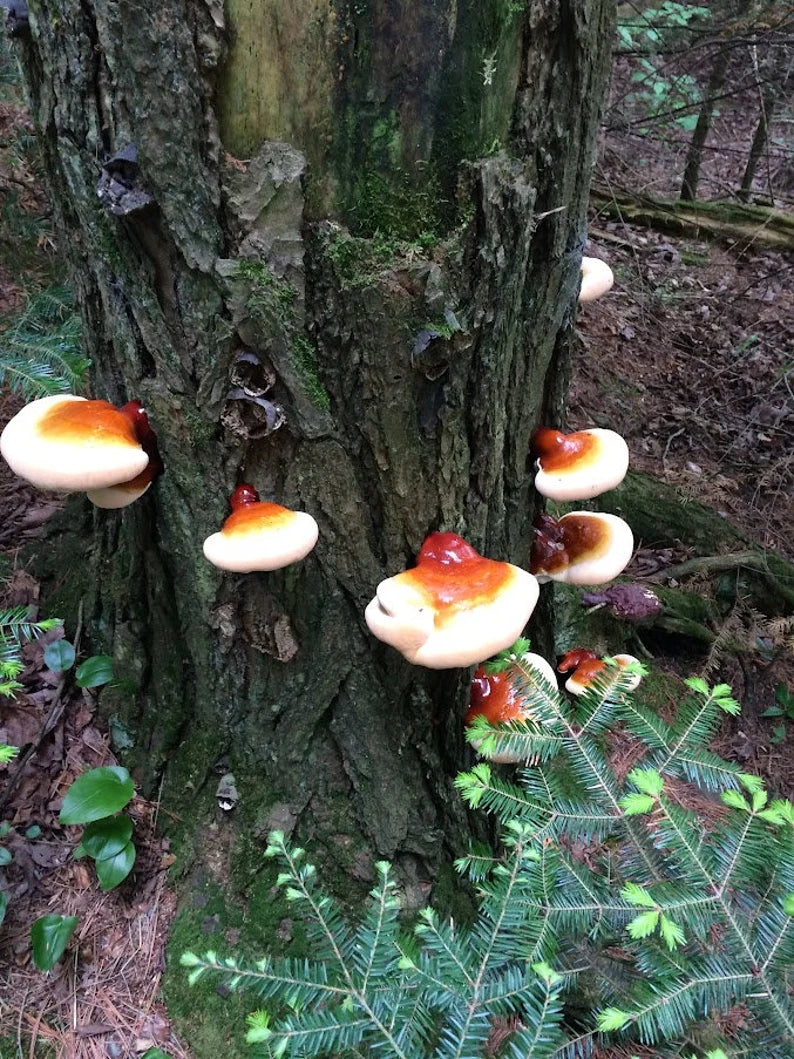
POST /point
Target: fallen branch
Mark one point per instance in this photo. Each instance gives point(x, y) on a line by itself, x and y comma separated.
point(728, 221)
point(713, 564)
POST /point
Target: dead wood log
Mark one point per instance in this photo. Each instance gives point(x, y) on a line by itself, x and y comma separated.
point(732, 222)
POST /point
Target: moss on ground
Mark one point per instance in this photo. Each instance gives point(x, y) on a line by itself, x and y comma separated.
point(660, 692)
point(211, 1023)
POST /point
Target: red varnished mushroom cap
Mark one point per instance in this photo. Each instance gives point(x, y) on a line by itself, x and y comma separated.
point(68, 443)
point(588, 667)
point(493, 697)
point(260, 535)
point(125, 493)
point(581, 465)
point(455, 607)
point(581, 548)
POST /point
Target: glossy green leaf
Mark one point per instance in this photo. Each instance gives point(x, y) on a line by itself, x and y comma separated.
point(3, 905)
point(33, 831)
point(113, 870)
point(49, 937)
point(96, 670)
point(59, 656)
point(5, 856)
point(97, 793)
point(105, 838)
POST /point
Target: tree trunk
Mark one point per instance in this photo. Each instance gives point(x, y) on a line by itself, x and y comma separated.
point(689, 185)
point(318, 183)
point(734, 16)
point(776, 69)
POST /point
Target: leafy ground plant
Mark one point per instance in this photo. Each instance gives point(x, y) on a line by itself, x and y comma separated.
point(49, 937)
point(782, 711)
point(96, 799)
point(653, 911)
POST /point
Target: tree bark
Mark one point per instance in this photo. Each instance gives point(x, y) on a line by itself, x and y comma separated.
point(719, 70)
point(327, 179)
point(777, 69)
point(735, 15)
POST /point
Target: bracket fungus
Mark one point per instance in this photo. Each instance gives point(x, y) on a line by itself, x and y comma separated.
point(588, 667)
point(124, 493)
point(581, 465)
point(259, 535)
point(454, 608)
point(493, 697)
point(69, 443)
point(582, 548)
point(597, 279)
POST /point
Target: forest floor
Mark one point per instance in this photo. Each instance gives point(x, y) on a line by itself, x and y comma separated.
point(691, 358)
point(102, 1003)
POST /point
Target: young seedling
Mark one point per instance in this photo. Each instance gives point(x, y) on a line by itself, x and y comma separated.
point(96, 799)
point(783, 709)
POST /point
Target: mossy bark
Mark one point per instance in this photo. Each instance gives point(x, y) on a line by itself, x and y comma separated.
point(322, 274)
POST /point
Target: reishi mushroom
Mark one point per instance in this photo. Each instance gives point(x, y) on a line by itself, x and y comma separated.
point(588, 667)
point(454, 608)
point(581, 548)
point(597, 279)
point(581, 465)
point(68, 443)
point(125, 493)
point(259, 535)
point(493, 697)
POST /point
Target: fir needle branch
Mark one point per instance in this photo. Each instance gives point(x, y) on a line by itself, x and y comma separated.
point(487, 955)
point(320, 918)
point(685, 735)
point(785, 1015)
